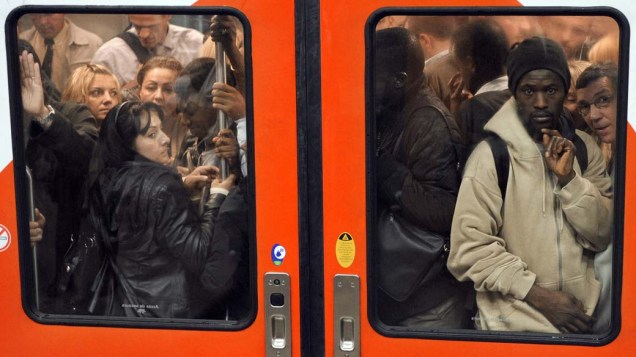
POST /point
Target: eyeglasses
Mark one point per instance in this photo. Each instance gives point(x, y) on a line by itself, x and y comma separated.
point(601, 102)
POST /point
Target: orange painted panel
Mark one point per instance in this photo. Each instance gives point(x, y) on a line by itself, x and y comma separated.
point(274, 112)
point(344, 174)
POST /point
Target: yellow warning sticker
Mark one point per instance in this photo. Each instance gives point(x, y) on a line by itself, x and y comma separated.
point(345, 250)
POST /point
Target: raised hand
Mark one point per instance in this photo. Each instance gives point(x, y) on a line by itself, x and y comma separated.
point(559, 155)
point(458, 92)
point(36, 228)
point(31, 86)
point(226, 146)
point(199, 177)
point(223, 29)
point(228, 99)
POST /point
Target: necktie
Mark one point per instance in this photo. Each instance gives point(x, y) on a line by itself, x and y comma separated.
point(48, 57)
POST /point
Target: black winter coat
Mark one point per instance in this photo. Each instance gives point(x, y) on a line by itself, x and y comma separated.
point(422, 177)
point(420, 180)
point(59, 158)
point(161, 245)
point(475, 112)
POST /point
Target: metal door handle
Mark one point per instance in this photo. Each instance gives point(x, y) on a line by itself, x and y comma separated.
point(277, 315)
point(347, 340)
point(346, 315)
point(279, 338)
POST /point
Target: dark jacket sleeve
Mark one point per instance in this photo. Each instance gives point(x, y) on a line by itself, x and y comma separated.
point(178, 227)
point(193, 240)
point(228, 248)
point(466, 121)
point(71, 137)
point(425, 179)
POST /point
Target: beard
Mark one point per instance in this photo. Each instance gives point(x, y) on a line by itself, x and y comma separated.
point(534, 127)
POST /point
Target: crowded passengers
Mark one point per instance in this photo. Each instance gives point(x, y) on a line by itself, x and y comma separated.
point(528, 184)
point(110, 127)
point(497, 132)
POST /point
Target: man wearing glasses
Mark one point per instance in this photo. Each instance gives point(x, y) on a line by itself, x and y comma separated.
point(596, 91)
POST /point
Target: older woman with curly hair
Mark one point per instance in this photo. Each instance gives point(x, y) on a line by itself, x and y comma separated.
point(156, 80)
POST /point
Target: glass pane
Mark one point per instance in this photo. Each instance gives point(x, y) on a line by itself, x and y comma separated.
point(493, 149)
point(135, 133)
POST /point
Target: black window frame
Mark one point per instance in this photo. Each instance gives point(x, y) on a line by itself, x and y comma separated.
point(21, 186)
point(618, 183)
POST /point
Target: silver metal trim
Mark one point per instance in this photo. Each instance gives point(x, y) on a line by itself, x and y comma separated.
point(277, 318)
point(346, 315)
point(34, 248)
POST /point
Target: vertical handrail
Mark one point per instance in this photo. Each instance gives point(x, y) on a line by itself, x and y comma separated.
point(222, 118)
point(34, 247)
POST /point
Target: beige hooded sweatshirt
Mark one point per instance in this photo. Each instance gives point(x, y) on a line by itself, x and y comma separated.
point(544, 234)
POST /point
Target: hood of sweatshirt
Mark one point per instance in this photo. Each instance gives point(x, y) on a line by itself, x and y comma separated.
point(507, 124)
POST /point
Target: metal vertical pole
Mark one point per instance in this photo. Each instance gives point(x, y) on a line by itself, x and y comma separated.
point(221, 77)
point(222, 118)
point(34, 247)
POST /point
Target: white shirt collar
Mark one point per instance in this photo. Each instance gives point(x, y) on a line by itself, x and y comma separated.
point(437, 56)
point(496, 84)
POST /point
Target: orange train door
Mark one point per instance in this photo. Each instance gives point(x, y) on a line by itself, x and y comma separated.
point(352, 327)
point(273, 325)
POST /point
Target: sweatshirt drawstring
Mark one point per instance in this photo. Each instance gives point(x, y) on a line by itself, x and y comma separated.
point(560, 219)
point(561, 216)
point(545, 170)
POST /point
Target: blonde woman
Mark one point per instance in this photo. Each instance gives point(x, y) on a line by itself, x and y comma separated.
point(95, 86)
point(576, 68)
point(605, 49)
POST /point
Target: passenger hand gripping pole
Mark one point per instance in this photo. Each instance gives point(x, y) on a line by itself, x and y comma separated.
point(222, 118)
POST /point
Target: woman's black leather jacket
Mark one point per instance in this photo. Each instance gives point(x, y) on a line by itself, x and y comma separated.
point(160, 243)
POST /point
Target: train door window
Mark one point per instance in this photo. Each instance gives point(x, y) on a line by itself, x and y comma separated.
point(496, 147)
point(134, 175)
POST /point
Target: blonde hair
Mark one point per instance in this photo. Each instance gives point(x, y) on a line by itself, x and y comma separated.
point(604, 50)
point(80, 80)
point(576, 68)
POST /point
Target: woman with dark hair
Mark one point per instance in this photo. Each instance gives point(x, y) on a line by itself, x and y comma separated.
point(158, 248)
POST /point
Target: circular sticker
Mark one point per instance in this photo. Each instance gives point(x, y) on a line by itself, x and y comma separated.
point(345, 250)
point(278, 254)
point(5, 238)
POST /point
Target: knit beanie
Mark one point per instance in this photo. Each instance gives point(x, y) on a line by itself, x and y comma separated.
point(537, 53)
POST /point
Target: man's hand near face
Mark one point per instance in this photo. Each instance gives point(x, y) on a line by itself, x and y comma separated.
point(559, 155)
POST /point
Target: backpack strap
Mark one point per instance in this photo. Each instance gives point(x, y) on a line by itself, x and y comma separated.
point(502, 158)
point(502, 161)
point(143, 54)
point(581, 152)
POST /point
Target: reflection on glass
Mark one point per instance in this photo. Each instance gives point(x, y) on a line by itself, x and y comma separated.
point(494, 146)
point(132, 217)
